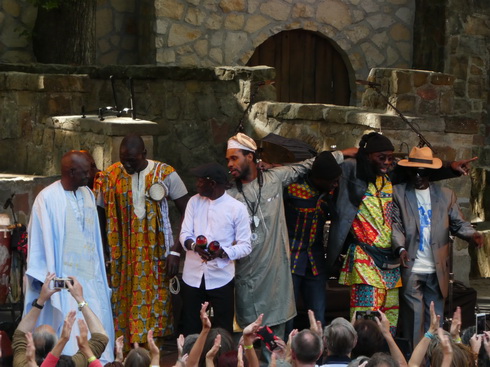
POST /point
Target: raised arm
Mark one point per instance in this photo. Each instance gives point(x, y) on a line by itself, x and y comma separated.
point(195, 353)
point(65, 334)
point(384, 327)
point(28, 322)
point(418, 354)
point(93, 322)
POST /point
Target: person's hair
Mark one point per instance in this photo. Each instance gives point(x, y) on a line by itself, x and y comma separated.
point(358, 361)
point(138, 357)
point(254, 154)
point(189, 342)
point(383, 360)
point(467, 334)
point(307, 346)
point(44, 342)
point(65, 361)
point(227, 344)
point(463, 356)
point(369, 338)
point(340, 337)
point(114, 364)
point(230, 359)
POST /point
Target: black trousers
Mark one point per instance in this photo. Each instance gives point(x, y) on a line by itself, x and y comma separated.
point(221, 306)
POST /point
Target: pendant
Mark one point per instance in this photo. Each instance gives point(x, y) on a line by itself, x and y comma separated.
point(254, 236)
point(256, 221)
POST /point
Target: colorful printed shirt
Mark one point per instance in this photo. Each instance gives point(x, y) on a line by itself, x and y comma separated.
point(371, 226)
point(306, 213)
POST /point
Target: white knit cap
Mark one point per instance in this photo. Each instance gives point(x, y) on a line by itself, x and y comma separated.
point(242, 141)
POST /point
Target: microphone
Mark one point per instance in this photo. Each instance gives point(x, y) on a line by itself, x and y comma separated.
point(368, 83)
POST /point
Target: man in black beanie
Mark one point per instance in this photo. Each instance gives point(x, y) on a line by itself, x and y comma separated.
point(362, 225)
point(307, 205)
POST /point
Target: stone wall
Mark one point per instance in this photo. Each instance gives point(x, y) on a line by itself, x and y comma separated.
point(204, 33)
point(195, 111)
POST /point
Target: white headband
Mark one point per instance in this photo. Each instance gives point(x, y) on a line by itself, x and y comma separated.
point(242, 141)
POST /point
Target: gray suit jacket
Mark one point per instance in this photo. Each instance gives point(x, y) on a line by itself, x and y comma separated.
point(446, 219)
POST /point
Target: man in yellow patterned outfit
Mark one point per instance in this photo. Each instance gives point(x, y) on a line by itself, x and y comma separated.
point(134, 193)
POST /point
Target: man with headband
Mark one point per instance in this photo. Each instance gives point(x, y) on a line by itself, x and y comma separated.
point(263, 279)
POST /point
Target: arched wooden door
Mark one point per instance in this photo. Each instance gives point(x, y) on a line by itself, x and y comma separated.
point(308, 68)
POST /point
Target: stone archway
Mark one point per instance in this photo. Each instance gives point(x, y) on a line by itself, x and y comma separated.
point(309, 69)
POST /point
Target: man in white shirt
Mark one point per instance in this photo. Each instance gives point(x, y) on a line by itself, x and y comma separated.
point(424, 215)
point(208, 275)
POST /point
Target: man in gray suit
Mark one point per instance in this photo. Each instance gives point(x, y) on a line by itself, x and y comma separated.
point(424, 215)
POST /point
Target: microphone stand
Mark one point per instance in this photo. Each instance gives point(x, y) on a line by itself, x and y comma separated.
point(422, 140)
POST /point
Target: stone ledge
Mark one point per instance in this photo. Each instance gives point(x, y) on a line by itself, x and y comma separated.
point(111, 126)
point(144, 72)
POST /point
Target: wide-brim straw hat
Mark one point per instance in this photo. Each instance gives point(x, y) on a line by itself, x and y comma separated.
point(421, 158)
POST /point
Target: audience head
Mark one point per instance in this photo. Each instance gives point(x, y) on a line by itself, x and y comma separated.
point(138, 357)
point(462, 355)
point(340, 337)
point(132, 154)
point(325, 172)
point(45, 339)
point(358, 361)
point(226, 343)
point(382, 360)
point(189, 343)
point(65, 361)
point(306, 347)
point(75, 170)
point(369, 338)
point(114, 364)
point(230, 359)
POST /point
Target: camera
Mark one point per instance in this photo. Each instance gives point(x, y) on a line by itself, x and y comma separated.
point(481, 323)
point(367, 315)
point(267, 335)
point(61, 283)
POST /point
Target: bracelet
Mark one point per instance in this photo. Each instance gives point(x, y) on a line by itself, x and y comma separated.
point(193, 246)
point(175, 253)
point(91, 359)
point(457, 340)
point(429, 335)
point(247, 347)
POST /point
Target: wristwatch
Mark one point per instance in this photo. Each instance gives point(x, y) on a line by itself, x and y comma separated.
point(82, 305)
point(37, 305)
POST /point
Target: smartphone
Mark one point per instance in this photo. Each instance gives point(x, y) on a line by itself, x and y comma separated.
point(267, 335)
point(481, 323)
point(61, 283)
point(367, 315)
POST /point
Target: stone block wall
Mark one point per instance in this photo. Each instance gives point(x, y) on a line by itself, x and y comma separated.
point(195, 111)
point(204, 33)
point(17, 19)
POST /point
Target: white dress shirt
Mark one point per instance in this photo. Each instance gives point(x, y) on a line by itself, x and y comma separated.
point(225, 220)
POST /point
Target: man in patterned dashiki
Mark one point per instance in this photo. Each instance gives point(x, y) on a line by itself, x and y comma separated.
point(134, 193)
point(307, 205)
point(362, 225)
point(371, 286)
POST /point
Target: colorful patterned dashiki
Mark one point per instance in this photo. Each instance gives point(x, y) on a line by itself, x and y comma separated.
point(140, 297)
point(372, 288)
point(306, 213)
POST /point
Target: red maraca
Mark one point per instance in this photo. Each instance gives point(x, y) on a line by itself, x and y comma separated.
point(201, 241)
point(214, 247)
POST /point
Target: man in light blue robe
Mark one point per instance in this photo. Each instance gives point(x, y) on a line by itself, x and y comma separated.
point(65, 239)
